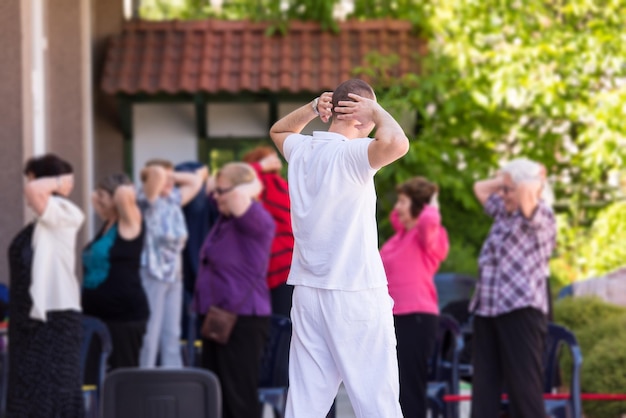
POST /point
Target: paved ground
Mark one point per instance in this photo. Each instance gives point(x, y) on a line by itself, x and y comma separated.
point(344, 409)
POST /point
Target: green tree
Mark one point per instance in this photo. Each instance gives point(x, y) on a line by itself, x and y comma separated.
point(537, 78)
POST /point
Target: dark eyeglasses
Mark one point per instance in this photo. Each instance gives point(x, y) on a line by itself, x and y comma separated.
point(219, 191)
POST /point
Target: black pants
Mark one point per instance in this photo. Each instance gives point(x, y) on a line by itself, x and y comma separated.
point(236, 364)
point(508, 353)
point(126, 340)
point(415, 334)
point(281, 299)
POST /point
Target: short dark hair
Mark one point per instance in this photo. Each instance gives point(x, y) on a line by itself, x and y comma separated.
point(47, 165)
point(354, 85)
point(419, 190)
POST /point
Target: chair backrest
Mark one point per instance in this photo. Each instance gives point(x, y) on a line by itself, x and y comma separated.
point(274, 368)
point(565, 292)
point(557, 337)
point(444, 360)
point(93, 329)
point(162, 393)
point(452, 287)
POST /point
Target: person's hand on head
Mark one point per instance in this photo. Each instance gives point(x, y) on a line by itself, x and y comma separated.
point(529, 189)
point(65, 184)
point(325, 106)
point(271, 163)
point(434, 200)
point(362, 110)
point(251, 189)
point(210, 184)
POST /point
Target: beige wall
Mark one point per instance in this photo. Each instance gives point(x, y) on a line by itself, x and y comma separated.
point(68, 93)
point(107, 20)
point(11, 127)
point(163, 130)
point(72, 28)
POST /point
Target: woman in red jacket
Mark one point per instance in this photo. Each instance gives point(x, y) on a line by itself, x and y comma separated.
point(275, 199)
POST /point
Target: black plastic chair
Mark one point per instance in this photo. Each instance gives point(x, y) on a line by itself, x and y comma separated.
point(274, 369)
point(96, 334)
point(558, 337)
point(452, 287)
point(161, 392)
point(444, 368)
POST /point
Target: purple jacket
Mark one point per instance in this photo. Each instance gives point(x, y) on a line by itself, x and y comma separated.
point(233, 264)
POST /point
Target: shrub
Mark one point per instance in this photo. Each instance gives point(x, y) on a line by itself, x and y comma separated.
point(577, 313)
point(600, 329)
point(603, 372)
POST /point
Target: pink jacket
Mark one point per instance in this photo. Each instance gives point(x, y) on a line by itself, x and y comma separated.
point(411, 259)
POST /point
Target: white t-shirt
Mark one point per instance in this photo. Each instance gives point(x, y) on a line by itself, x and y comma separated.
point(54, 285)
point(333, 213)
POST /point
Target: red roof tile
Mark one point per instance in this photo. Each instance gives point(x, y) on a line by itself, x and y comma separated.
point(233, 56)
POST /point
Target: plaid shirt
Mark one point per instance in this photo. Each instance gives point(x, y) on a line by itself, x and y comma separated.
point(513, 263)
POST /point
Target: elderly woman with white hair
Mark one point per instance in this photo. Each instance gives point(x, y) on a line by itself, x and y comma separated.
point(510, 303)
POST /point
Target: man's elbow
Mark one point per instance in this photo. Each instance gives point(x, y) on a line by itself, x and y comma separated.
point(403, 148)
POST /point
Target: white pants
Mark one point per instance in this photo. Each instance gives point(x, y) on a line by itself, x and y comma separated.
point(163, 329)
point(343, 336)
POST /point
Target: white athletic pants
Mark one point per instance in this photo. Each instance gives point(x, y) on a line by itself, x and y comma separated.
point(163, 328)
point(343, 336)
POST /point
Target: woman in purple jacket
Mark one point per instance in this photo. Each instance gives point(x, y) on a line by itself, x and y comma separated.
point(232, 276)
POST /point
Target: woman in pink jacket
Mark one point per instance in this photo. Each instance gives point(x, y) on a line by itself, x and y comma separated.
point(411, 258)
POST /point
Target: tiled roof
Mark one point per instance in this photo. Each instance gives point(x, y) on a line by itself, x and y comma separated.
point(233, 56)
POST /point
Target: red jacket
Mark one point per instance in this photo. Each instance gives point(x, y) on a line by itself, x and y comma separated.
point(275, 198)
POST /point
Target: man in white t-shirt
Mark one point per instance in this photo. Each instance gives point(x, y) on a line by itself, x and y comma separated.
point(342, 313)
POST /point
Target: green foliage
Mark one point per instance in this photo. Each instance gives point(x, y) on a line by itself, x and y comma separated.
point(579, 313)
point(591, 252)
point(461, 259)
point(597, 325)
point(541, 79)
point(603, 372)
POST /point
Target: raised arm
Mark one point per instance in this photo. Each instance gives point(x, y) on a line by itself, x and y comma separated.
point(528, 193)
point(190, 184)
point(38, 191)
point(390, 142)
point(485, 188)
point(154, 178)
point(130, 216)
point(242, 197)
point(295, 121)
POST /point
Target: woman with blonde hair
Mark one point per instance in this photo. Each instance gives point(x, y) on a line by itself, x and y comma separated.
point(275, 199)
point(232, 276)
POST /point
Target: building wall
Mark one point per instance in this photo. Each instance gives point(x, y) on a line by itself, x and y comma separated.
point(238, 119)
point(12, 121)
point(107, 19)
point(164, 131)
point(69, 109)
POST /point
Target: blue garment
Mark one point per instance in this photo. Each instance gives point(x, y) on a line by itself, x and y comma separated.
point(96, 259)
point(200, 215)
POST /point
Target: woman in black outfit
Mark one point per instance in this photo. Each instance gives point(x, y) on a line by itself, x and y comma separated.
point(45, 327)
point(112, 289)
